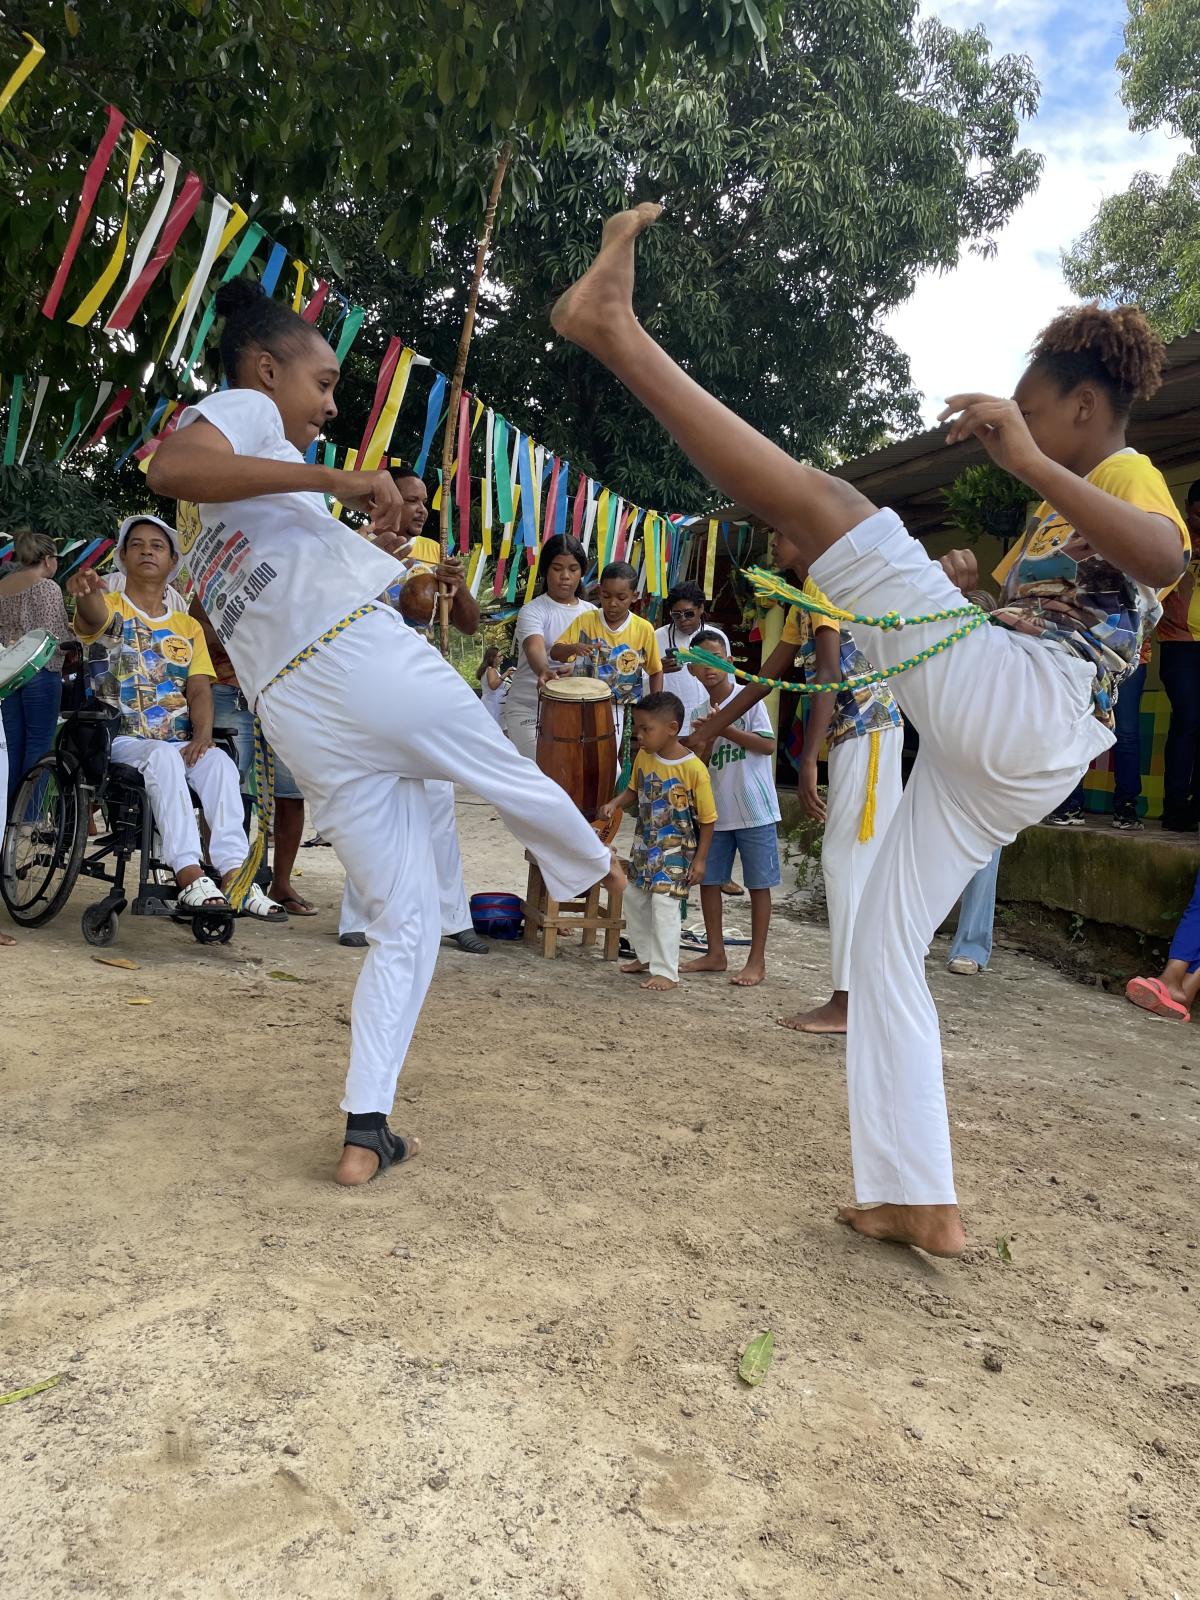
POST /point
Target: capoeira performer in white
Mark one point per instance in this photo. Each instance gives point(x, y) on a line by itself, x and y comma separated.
point(1009, 716)
point(360, 708)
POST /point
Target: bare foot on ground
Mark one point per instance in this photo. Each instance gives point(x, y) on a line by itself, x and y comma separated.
point(6, 939)
point(660, 983)
point(635, 966)
point(360, 1166)
point(829, 1018)
point(751, 975)
point(587, 314)
point(709, 963)
point(938, 1230)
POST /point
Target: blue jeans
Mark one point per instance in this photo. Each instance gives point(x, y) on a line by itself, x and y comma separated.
point(1127, 752)
point(1179, 668)
point(977, 913)
point(30, 723)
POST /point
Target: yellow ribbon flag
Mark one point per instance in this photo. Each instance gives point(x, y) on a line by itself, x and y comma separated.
point(31, 59)
point(710, 560)
point(298, 297)
point(533, 572)
point(602, 530)
point(93, 300)
point(386, 426)
point(664, 548)
point(349, 464)
point(189, 300)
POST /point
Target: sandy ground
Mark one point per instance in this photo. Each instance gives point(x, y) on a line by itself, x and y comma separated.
point(509, 1370)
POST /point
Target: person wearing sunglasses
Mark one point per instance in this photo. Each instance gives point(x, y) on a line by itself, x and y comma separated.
point(685, 609)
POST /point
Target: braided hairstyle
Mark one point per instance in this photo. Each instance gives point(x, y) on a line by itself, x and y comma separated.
point(1117, 350)
point(253, 321)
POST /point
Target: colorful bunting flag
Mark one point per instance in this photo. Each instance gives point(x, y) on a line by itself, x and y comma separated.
point(93, 178)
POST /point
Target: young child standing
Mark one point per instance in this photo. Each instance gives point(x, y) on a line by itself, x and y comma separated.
point(741, 769)
point(1010, 716)
point(675, 816)
point(614, 645)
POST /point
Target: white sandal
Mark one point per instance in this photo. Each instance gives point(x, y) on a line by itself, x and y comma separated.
point(200, 895)
point(258, 904)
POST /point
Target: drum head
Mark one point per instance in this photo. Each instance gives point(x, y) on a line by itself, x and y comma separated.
point(575, 689)
point(26, 657)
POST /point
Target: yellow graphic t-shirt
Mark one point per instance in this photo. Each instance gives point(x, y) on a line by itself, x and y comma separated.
point(140, 665)
point(625, 653)
point(673, 799)
point(1055, 586)
point(856, 711)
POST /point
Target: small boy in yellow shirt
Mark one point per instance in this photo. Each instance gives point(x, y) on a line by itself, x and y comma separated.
point(675, 816)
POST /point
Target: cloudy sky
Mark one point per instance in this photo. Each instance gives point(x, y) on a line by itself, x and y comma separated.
point(971, 328)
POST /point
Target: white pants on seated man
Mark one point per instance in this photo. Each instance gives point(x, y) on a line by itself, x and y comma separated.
point(447, 863)
point(213, 780)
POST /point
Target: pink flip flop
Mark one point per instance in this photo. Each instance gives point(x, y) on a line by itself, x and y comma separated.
point(1150, 994)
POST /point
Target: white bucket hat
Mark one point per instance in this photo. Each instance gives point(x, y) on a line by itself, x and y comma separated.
point(172, 540)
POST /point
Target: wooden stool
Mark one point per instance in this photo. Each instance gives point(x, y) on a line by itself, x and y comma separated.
point(598, 908)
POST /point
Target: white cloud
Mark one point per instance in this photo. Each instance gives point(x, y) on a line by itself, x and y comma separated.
point(970, 328)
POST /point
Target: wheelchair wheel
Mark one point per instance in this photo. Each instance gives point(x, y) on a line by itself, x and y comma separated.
point(212, 930)
point(99, 925)
point(44, 842)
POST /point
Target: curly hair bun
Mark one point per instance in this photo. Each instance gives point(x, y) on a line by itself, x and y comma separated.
point(237, 296)
point(1120, 342)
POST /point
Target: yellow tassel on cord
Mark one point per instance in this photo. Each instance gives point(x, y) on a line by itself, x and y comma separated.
point(866, 828)
point(264, 804)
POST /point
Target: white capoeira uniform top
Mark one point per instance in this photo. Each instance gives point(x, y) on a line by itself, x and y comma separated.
point(365, 715)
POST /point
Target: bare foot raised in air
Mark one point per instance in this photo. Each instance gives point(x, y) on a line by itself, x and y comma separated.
point(714, 961)
point(660, 983)
point(829, 1018)
point(635, 966)
point(938, 1230)
point(751, 975)
point(590, 313)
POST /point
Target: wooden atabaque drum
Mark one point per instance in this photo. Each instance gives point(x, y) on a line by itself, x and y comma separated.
point(577, 740)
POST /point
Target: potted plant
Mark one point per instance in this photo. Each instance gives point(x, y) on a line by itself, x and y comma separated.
point(986, 499)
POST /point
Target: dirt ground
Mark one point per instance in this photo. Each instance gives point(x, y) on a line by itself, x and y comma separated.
point(509, 1370)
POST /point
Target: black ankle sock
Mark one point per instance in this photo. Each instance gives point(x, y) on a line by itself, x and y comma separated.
point(365, 1121)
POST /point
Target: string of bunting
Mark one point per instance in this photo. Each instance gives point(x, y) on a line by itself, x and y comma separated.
point(523, 490)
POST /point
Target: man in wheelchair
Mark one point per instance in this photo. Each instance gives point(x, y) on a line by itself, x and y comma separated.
point(151, 664)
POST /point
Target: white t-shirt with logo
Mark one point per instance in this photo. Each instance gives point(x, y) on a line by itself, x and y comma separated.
point(550, 619)
point(743, 783)
point(274, 571)
point(683, 683)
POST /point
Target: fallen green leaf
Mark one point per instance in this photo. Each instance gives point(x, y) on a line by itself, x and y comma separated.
point(285, 977)
point(757, 1359)
point(34, 1388)
point(1003, 1251)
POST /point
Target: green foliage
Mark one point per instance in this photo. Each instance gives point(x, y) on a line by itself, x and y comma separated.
point(1144, 245)
point(986, 499)
point(803, 197)
point(1161, 66)
point(49, 500)
point(276, 103)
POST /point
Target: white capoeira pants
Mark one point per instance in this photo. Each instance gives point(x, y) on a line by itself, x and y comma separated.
point(363, 724)
point(1006, 730)
point(652, 927)
point(846, 860)
point(447, 864)
point(520, 724)
point(215, 783)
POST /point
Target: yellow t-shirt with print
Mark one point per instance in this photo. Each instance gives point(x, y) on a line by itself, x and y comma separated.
point(624, 654)
point(1056, 586)
point(673, 799)
point(140, 666)
point(857, 712)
